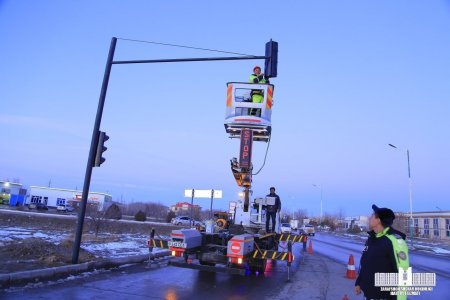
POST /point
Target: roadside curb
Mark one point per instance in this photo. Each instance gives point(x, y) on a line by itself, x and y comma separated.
point(24, 277)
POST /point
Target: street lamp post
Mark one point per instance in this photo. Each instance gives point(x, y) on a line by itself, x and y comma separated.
point(411, 220)
point(321, 207)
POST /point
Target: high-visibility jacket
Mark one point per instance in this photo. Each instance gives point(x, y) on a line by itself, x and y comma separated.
point(257, 79)
point(257, 95)
point(400, 253)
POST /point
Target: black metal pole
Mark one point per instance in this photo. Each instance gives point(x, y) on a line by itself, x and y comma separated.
point(210, 212)
point(192, 205)
point(92, 151)
point(150, 246)
point(149, 61)
point(290, 258)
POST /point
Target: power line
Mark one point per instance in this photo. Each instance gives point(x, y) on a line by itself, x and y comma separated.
point(182, 46)
point(265, 157)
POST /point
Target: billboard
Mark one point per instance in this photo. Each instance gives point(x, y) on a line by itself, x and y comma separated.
point(203, 193)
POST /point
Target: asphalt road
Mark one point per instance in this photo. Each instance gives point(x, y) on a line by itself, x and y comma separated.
point(340, 248)
point(316, 276)
point(162, 282)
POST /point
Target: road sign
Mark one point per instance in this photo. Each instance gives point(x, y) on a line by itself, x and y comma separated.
point(203, 193)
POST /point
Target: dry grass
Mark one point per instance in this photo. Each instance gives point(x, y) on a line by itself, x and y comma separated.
point(34, 253)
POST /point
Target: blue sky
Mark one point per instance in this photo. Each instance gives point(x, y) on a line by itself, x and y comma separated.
point(353, 77)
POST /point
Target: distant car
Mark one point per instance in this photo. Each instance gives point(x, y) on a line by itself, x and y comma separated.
point(41, 206)
point(285, 228)
point(309, 229)
point(185, 221)
point(65, 208)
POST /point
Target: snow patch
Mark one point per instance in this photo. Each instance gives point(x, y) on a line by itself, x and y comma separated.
point(440, 250)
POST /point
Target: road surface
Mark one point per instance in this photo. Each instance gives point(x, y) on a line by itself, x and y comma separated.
point(316, 276)
point(339, 248)
point(163, 282)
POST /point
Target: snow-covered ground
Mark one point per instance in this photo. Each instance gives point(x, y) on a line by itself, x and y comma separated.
point(10, 234)
point(106, 245)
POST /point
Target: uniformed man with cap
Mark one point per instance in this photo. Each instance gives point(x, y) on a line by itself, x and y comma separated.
point(385, 252)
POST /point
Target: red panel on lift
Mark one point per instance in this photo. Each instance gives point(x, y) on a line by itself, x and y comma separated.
point(245, 157)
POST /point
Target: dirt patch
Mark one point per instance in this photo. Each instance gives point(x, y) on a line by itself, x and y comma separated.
point(35, 252)
point(32, 253)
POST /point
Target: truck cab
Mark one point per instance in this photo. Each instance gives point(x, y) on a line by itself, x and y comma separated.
point(309, 229)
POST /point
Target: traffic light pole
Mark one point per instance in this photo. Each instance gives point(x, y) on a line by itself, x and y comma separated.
point(271, 58)
point(92, 152)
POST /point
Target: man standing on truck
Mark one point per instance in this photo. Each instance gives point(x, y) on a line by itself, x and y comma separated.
point(271, 210)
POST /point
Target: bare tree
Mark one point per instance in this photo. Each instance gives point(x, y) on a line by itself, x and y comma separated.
point(300, 214)
point(97, 218)
point(340, 215)
point(330, 221)
point(285, 216)
point(401, 222)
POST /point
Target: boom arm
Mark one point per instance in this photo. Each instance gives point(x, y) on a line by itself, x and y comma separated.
point(242, 170)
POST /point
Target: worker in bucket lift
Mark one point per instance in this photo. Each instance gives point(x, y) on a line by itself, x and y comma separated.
point(272, 210)
point(257, 95)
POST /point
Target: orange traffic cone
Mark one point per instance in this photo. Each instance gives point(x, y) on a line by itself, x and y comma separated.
point(310, 250)
point(345, 297)
point(351, 273)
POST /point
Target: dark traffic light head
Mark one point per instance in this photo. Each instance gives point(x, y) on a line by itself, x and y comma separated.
point(99, 159)
point(271, 63)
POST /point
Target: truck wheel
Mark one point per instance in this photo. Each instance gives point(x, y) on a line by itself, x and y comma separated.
point(179, 224)
point(258, 266)
point(221, 223)
point(262, 267)
point(205, 263)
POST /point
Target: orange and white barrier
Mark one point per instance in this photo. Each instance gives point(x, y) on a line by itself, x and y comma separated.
point(351, 272)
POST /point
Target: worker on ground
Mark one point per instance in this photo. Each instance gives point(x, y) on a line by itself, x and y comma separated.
point(385, 252)
point(257, 95)
point(272, 210)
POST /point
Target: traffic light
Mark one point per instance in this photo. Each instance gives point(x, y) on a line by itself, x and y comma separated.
point(100, 149)
point(271, 62)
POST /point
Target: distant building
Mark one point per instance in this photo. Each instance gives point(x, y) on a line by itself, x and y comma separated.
point(431, 225)
point(182, 207)
point(351, 222)
point(52, 197)
point(12, 193)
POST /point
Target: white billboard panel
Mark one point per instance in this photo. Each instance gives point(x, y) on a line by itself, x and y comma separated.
point(203, 193)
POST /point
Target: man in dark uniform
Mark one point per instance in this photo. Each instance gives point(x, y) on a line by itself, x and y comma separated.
point(271, 210)
point(385, 251)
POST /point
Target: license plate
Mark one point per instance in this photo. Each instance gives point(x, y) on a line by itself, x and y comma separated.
point(177, 244)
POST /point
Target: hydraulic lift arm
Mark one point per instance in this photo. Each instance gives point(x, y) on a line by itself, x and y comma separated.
point(242, 170)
